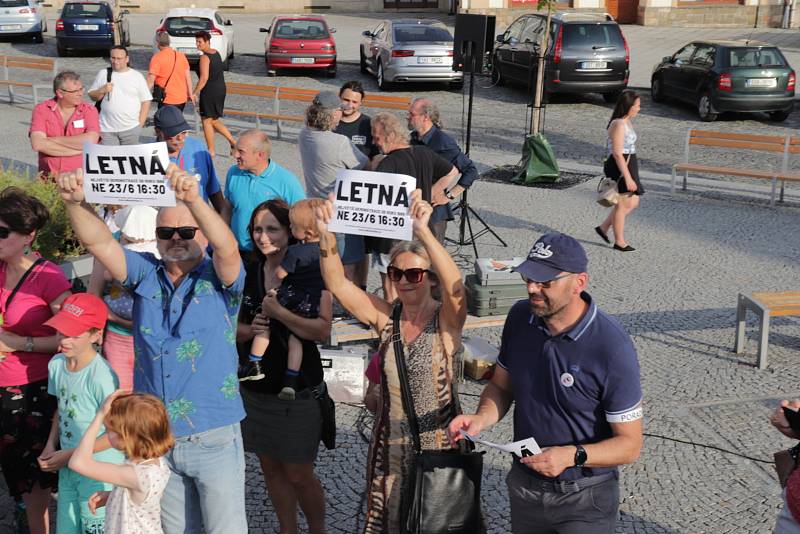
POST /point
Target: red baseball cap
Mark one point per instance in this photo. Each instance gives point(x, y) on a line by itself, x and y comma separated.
point(79, 313)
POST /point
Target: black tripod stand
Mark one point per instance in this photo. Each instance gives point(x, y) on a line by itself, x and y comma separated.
point(463, 206)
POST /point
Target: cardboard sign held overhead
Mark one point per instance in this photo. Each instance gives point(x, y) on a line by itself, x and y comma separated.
point(373, 204)
point(127, 175)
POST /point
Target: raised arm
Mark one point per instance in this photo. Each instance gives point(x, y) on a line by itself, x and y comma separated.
point(227, 262)
point(367, 308)
point(89, 228)
point(454, 298)
point(82, 461)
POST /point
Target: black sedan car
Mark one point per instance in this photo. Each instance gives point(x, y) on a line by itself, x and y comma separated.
point(720, 76)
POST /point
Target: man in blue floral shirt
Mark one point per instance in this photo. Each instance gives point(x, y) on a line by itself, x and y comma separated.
point(185, 308)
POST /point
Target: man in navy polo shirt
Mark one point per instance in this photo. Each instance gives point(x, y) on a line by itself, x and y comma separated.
point(572, 371)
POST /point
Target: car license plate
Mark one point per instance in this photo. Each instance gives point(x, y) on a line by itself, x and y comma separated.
point(429, 60)
point(593, 64)
point(10, 27)
point(189, 51)
point(303, 60)
point(87, 27)
point(761, 82)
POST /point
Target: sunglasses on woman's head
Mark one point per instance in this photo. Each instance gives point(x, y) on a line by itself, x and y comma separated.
point(4, 232)
point(184, 232)
point(413, 275)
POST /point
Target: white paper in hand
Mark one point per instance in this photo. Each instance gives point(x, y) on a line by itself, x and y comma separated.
point(373, 204)
point(523, 448)
point(127, 175)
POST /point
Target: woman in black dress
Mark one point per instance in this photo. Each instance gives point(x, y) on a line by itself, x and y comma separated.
point(210, 92)
point(284, 434)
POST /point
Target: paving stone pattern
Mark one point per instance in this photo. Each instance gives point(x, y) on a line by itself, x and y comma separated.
point(676, 295)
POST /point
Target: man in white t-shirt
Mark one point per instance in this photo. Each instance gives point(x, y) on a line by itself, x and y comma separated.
point(124, 101)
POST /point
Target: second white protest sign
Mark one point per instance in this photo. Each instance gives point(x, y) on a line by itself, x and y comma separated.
point(373, 204)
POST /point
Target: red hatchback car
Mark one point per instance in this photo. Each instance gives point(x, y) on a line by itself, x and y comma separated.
point(300, 42)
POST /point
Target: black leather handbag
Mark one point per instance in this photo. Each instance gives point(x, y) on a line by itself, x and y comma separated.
point(444, 494)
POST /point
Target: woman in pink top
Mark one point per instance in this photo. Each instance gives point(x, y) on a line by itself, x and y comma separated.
point(31, 291)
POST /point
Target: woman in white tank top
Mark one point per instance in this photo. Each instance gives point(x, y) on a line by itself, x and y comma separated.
point(622, 166)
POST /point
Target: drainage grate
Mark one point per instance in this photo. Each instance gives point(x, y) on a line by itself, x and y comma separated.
point(505, 173)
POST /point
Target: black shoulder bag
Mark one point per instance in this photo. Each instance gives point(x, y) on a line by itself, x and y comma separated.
point(14, 291)
point(99, 103)
point(160, 93)
point(444, 494)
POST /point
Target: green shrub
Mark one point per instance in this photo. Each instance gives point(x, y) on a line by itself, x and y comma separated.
point(56, 241)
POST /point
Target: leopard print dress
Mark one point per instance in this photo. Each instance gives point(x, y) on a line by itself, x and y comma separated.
point(430, 375)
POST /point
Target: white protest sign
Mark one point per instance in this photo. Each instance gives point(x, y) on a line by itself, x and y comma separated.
point(127, 175)
point(373, 204)
point(523, 448)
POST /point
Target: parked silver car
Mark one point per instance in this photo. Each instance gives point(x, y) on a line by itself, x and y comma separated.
point(409, 50)
point(22, 17)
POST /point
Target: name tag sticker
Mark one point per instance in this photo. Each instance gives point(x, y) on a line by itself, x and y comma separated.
point(78, 123)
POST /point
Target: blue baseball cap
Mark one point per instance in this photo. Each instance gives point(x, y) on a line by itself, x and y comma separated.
point(551, 255)
point(170, 120)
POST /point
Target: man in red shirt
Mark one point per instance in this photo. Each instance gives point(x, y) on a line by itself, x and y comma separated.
point(60, 126)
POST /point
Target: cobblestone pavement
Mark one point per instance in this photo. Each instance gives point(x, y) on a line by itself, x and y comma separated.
point(676, 295)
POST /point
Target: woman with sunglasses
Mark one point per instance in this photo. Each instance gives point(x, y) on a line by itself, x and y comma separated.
point(31, 292)
point(284, 434)
point(432, 308)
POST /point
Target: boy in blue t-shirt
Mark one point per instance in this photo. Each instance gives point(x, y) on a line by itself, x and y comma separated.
point(81, 380)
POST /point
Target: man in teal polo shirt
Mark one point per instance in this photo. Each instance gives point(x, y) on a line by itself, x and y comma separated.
point(255, 179)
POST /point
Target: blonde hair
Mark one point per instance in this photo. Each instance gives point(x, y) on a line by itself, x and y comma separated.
point(142, 424)
point(302, 215)
point(394, 130)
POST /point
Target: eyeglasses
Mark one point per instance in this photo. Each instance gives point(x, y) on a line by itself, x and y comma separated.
point(4, 232)
point(413, 275)
point(184, 232)
point(547, 284)
point(180, 135)
point(78, 90)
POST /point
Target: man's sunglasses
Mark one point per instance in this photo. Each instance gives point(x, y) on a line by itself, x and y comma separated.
point(4, 232)
point(547, 284)
point(184, 232)
point(413, 276)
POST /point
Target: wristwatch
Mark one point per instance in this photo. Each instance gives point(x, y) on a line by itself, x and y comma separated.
point(29, 344)
point(580, 456)
point(449, 195)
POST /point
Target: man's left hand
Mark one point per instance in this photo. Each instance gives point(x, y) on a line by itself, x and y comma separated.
point(185, 184)
point(438, 198)
point(552, 461)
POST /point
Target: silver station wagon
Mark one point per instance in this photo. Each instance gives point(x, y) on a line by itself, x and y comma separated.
point(409, 50)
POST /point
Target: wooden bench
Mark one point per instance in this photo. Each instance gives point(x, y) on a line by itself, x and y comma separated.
point(27, 62)
point(10, 84)
point(765, 305)
point(780, 145)
point(348, 330)
point(277, 94)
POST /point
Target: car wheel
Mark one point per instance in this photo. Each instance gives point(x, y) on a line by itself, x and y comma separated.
point(232, 54)
point(705, 109)
point(612, 97)
point(779, 116)
point(383, 85)
point(226, 65)
point(331, 71)
point(362, 61)
point(657, 90)
point(497, 78)
point(458, 86)
point(38, 37)
point(270, 70)
point(61, 51)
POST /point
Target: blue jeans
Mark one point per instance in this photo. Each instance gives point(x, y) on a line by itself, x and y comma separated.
point(206, 486)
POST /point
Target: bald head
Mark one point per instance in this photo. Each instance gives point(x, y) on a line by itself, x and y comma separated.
point(253, 150)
